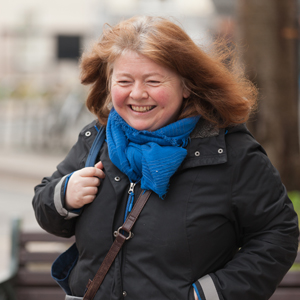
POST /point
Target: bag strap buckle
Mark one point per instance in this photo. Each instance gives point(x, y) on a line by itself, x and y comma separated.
point(117, 232)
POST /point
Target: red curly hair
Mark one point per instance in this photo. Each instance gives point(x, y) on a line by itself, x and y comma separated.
point(219, 92)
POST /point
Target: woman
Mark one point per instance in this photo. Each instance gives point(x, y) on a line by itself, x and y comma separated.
point(218, 224)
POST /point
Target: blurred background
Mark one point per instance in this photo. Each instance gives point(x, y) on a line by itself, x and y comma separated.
point(42, 102)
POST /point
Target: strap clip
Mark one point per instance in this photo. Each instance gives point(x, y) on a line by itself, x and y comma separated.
point(117, 232)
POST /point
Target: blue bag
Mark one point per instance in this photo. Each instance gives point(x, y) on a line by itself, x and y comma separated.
point(63, 266)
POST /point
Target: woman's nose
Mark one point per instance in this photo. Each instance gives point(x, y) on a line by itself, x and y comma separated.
point(138, 92)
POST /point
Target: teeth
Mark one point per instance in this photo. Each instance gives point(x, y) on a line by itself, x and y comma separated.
point(141, 108)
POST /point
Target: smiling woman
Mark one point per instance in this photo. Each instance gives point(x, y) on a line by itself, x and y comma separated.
point(217, 91)
point(146, 95)
point(218, 224)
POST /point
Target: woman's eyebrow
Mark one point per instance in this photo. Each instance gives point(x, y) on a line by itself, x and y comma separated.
point(144, 75)
point(152, 74)
point(122, 74)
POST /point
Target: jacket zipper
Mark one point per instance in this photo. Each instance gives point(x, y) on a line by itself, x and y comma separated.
point(130, 200)
point(129, 206)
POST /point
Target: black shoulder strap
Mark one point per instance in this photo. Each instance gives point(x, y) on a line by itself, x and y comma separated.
point(97, 144)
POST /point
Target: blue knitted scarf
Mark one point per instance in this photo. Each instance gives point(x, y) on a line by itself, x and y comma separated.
point(150, 156)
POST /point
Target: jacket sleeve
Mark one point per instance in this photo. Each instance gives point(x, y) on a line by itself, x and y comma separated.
point(48, 200)
point(267, 230)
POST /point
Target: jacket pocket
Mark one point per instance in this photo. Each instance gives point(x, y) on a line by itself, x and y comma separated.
point(62, 268)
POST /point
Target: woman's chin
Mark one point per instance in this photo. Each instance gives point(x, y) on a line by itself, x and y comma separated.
point(141, 127)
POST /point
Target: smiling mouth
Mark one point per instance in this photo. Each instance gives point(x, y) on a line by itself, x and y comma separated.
point(142, 108)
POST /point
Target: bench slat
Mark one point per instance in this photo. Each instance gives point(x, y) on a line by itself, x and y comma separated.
point(43, 237)
point(40, 293)
point(29, 257)
point(291, 279)
point(27, 278)
point(286, 294)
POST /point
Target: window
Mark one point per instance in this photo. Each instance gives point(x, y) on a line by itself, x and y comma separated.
point(68, 47)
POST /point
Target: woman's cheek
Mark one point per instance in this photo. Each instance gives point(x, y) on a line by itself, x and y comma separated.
point(118, 96)
point(161, 97)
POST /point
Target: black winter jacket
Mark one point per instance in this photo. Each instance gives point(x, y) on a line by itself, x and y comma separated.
point(226, 226)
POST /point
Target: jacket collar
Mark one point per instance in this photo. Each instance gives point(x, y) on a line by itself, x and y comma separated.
point(204, 129)
point(206, 147)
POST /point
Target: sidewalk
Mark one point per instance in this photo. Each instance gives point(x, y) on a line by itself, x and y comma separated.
point(19, 172)
point(28, 164)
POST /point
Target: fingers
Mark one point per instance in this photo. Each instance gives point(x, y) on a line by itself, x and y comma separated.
point(89, 181)
point(87, 195)
point(88, 199)
point(99, 165)
point(75, 202)
point(90, 190)
point(78, 195)
point(83, 186)
point(92, 172)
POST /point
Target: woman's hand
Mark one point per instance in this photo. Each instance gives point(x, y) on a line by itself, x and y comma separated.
point(83, 186)
point(195, 295)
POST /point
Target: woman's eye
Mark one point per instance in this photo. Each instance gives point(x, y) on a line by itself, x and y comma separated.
point(123, 82)
point(154, 82)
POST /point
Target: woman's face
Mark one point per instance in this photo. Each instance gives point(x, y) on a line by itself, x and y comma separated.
point(145, 94)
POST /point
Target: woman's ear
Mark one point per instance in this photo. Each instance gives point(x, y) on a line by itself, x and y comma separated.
point(185, 93)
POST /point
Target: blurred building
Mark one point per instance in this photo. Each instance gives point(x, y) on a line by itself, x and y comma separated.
point(40, 42)
point(41, 99)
